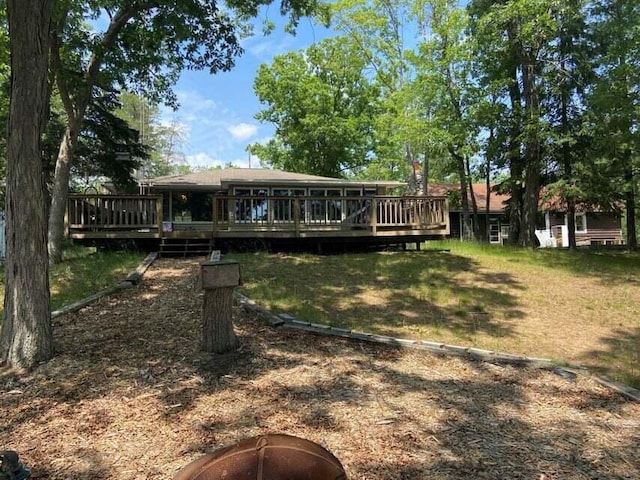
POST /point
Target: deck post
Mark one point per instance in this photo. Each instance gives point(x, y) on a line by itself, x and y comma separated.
point(296, 215)
point(374, 216)
point(159, 215)
point(214, 213)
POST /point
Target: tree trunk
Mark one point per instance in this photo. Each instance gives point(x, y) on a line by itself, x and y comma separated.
point(630, 205)
point(532, 151)
point(60, 191)
point(474, 204)
point(467, 228)
point(516, 168)
point(26, 337)
point(571, 223)
point(487, 204)
point(530, 206)
point(425, 174)
point(217, 325)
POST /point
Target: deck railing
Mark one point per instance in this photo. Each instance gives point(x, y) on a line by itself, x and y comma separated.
point(114, 212)
point(138, 213)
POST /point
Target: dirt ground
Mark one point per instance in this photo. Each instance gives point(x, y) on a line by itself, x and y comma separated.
point(129, 396)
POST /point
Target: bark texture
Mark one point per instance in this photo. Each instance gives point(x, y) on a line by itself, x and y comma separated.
point(26, 336)
point(217, 325)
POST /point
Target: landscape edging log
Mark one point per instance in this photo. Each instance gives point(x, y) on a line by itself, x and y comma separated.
point(134, 278)
point(286, 320)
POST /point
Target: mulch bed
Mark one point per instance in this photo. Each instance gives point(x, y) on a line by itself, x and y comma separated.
point(129, 396)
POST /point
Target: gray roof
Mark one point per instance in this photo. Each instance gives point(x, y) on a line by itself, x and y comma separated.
point(222, 177)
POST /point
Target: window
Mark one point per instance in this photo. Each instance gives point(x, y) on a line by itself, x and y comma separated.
point(581, 222)
point(329, 210)
point(494, 232)
point(191, 206)
point(284, 208)
point(253, 208)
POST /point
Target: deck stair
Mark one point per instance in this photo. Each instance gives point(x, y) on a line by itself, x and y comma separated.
point(177, 247)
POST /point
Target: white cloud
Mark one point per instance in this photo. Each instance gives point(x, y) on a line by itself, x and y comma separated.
point(265, 48)
point(242, 131)
point(205, 160)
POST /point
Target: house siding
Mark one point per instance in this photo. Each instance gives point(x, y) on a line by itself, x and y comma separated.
point(603, 221)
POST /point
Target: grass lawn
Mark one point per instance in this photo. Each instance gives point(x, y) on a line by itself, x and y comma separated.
point(129, 395)
point(578, 307)
point(85, 271)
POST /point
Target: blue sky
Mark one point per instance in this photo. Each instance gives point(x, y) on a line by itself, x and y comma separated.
point(217, 111)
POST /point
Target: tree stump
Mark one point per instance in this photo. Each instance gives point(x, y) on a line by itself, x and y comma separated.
point(218, 281)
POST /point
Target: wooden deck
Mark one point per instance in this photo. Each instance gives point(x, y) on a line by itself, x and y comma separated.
point(140, 217)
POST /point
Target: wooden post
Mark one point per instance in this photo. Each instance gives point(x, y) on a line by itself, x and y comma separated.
point(214, 213)
point(218, 281)
point(374, 216)
point(159, 215)
point(296, 215)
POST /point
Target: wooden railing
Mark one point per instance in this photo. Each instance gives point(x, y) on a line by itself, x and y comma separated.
point(260, 213)
point(114, 212)
point(334, 212)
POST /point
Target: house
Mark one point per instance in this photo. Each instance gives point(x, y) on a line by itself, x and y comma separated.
point(218, 207)
point(593, 226)
point(495, 217)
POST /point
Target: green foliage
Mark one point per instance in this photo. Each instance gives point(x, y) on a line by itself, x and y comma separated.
point(84, 272)
point(163, 141)
point(103, 136)
point(4, 87)
point(323, 107)
point(463, 293)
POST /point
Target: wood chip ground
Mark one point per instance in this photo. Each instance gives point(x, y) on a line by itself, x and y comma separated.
point(129, 396)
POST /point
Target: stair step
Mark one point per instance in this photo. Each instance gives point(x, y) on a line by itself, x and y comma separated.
point(186, 247)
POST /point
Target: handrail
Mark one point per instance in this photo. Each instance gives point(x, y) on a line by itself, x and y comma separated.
point(105, 212)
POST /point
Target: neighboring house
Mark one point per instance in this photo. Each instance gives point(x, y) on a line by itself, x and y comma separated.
point(222, 206)
point(593, 227)
point(496, 217)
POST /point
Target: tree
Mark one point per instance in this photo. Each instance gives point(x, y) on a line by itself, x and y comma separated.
point(162, 140)
point(569, 75)
point(5, 75)
point(385, 32)
point(26, 337)
point(107, 147)
point(514, 39)
point(323, 108)
point(615, 100)
point(144, 47)
point(444, 71)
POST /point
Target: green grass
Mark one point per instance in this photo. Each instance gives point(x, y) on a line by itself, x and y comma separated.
point(582, 307)
point(85, 271)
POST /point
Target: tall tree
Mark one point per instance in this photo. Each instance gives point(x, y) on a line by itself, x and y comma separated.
point(444, 68)
point(323, 107)
point(385, 31)
point(569, 76)
point(26, 337)
point(615, 98)
point(522, 31)
point(5, 74)
point(162, 139)
point(144, 46)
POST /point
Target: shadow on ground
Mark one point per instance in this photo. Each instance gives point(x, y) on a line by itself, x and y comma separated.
point(386, 292)
point(619, 359)
point(130, 396)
